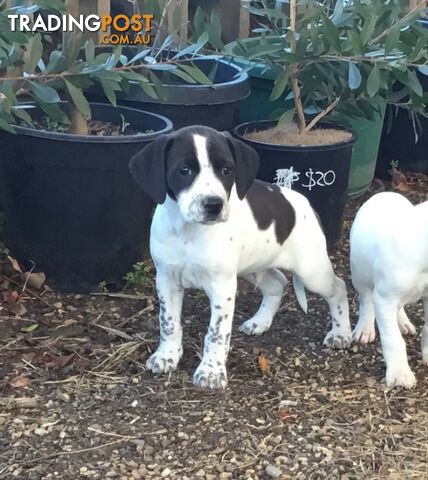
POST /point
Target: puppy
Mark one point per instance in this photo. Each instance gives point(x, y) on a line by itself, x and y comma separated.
point(389, 265)
point(214, 222)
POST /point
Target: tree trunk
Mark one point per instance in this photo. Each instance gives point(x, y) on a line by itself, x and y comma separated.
point(78, 125)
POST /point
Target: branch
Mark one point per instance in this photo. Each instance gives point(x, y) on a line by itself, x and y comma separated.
point(322, 114)
point(295, 69)
point(419, 6)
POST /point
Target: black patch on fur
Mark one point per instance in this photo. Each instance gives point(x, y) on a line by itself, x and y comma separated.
point(268, 206)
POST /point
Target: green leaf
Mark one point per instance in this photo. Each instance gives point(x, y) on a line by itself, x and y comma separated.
point(331, 33)
point(44, 92)
point(423, 69)
point(197, 74)
point(90, 50)
point(392, 39)
point(354, 76)
point(373, 82)
point(109, 91)
point(368, 29)
point(356, 42)
point(30, 328)
point(23, 115)
point(78, 99)
point(414, 83)
point(286, 119)
point(280, 85)
point(5, 126)
point(34, 53)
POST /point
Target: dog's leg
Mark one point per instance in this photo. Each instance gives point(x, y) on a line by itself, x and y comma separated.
point(170, 349)
point(364, 331)
point(318, 277)
point(424, 337)
point(398, 372)
point(211, 372)
point(406, 326)
point(271, 282)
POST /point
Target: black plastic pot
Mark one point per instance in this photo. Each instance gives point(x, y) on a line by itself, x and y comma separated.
point(321, 172)
point(398, 142)
point(187, 104)
point(70, 204)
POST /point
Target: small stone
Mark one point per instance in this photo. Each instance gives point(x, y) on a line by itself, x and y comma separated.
point(272, 471)
point(40, 432)
point(134, 403)
point(200, 473)
point(165, 472)
point(70, 308)
point(57, 305)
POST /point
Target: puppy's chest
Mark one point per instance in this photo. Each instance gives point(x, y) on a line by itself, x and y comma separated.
point(192, 261)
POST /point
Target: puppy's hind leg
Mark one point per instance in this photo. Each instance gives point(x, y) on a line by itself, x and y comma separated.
point(406, 326)
point(424, 336)
point(271, 282)
point(364, 331)
point(318, 277)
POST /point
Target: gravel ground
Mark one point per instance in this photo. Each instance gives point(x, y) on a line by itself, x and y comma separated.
point(76, 401)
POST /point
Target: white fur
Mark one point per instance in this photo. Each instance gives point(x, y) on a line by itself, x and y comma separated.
point(389, 265)
point(190, 254)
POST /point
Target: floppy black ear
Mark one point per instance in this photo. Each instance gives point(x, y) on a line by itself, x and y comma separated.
point(148, 168)
point(247, 162)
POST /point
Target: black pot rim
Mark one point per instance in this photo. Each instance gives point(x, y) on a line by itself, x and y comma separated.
point(69, 137)
point(230, 91)
point(240, 130)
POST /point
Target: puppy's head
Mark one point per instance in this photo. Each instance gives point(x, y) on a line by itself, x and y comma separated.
point(197, 167)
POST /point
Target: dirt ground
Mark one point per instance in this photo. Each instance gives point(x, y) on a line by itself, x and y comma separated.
point(76, 401)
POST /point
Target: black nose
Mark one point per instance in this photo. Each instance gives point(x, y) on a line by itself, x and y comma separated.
point(213, 205)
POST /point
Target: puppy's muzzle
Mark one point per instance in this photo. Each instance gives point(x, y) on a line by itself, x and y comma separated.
point(212, 207)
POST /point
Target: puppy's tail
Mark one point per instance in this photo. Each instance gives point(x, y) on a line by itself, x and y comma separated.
point(299, 289)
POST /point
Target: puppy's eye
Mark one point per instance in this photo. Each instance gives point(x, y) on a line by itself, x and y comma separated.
point(226, 170)
point(185, 171)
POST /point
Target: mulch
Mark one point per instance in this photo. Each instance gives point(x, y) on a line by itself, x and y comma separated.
point(77, 402)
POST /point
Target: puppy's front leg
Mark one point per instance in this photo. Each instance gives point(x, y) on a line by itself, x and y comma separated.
point(424, 337)
point(170, 349)
point(212, 369)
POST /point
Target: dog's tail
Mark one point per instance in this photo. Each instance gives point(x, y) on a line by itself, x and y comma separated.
point(299, 289)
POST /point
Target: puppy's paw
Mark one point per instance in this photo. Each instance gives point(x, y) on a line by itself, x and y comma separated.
point(406, 327)
point(210, 376)
point(338, 339)
point(364, 334)
point(255, 326)
point(164, 360)
point(400, 377)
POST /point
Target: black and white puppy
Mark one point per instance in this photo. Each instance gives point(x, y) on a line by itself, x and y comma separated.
point(215, 222)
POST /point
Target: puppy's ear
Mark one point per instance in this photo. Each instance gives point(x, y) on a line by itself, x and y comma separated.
point(247, 164)
point(148, 168)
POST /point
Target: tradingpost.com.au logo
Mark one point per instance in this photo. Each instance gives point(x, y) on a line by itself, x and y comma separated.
point(135, 30)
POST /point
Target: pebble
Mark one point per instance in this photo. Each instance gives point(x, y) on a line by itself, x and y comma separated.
point(165, 472)
point(272, 471)
point(200, 473)
point(40, 432)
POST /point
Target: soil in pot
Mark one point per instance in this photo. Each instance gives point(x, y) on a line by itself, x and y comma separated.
point(291, 136)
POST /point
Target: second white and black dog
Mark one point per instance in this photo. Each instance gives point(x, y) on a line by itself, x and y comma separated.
point(215, 222)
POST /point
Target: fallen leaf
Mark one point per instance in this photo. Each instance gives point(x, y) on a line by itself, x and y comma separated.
point(17, 309)
point(35, 280)
point(15, 264)
point(399, 180)
point(11, 296)
point(57, 362)
point(264, 364)
point(20, 382)
point(283, 414)
point(30, 328)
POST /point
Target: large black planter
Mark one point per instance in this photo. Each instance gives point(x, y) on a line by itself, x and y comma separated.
point(187, 104)
point(321, 173)
point(398, 142)
point(71, 206)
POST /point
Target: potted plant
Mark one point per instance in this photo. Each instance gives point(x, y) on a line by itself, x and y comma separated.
point(333, 67)
point(352, 39)
point(206, 95)
point(70, 206)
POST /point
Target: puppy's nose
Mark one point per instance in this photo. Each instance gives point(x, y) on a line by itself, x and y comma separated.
point(213, 205)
